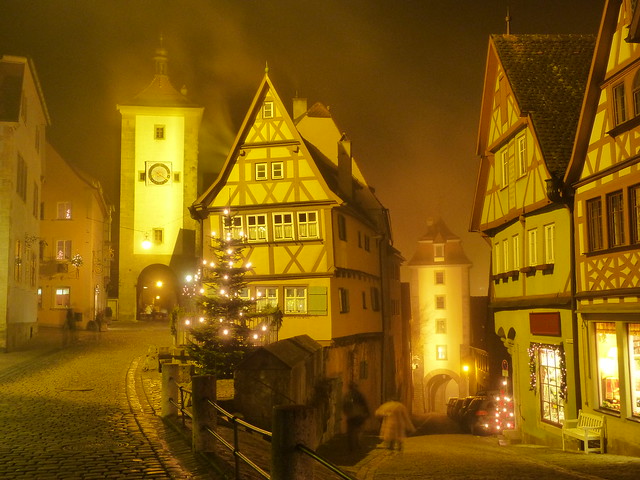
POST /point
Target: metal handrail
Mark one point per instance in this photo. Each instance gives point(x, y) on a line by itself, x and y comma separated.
point(323, 461)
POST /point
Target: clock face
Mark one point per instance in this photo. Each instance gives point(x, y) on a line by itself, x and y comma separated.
point(159, 173)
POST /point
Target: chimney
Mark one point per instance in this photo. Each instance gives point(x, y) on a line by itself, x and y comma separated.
point(345, 174)
point(299, 108)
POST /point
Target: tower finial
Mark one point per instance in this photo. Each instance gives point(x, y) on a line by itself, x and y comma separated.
point(266, 67)
point(508, 20)
point(161, 58)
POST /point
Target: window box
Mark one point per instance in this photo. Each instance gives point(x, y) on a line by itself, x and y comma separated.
point(513, 274)
point(528, 270)
point(545, 267)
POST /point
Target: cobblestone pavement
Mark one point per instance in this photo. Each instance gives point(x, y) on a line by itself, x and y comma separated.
point(76, 409)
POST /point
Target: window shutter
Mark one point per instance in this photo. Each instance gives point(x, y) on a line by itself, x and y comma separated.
point(317, 301)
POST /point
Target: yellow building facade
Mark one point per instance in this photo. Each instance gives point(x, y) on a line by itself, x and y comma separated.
point(531, 101)
point(605, 172)
point(75, 245)
point(23, 121)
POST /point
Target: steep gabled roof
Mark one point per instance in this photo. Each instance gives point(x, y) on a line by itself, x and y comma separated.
point(12, 76)
point(548, 75)
point(439, 233)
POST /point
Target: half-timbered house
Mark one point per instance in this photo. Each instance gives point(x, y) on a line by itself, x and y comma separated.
point(605, 171)
point(317, 238)
point(533, 90)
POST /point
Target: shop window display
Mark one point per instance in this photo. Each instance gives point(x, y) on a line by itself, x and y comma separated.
point(607, 354)
point(551, 384)
point(634, 367)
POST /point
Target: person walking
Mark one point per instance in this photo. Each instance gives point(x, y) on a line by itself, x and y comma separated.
point(356, 410)
point(395, 423)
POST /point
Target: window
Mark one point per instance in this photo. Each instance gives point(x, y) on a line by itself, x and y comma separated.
point(515, 241)
point(277, 170)
point(17, 266)
point(233, 226)
point(343, 300)
point(440, 303)
point(439, 277)
point(307, 225)
point(36, 203)
point(63, 296)
point(594, 224)
point(295, 300)
point(634, 212)
point(63, 250)
point(607, 356)
point(158, 236)
point(441, 352)
point(532, 241)
point(615, 219)
point(505, 168)
point(497, 257)
point(267, 110)
point(283, 226)
point(549, 240)
point(257, 228)
point(266, 297)
point(619, 107)
point(21, 181)
point(505, 255)
point(438, 252)
point(634, 367)
point(39, 297)
point(367, 243)
point(63, 211)
point(521, 144)
point(551, 384)
point(364, 300)
point(342, 228)
point(158, 132)
point(441, 325)
point(636, 94)
point(261, 171)
point(32, 260)
point(359, 239)
point(375, 299)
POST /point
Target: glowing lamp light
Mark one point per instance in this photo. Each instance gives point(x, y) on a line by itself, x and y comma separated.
point(226, 212)
point(255, 336)
point(248, 264)
point(225, 332)
point(202, 291)
point(159, 283)
point(187, 322)
point(264, 328)
point(157, 297)
point(201, 319)
point(146, 244)
point(222, 291)
point(229, 251)
point(204, 262)
point(465, 368)
point(189, 278)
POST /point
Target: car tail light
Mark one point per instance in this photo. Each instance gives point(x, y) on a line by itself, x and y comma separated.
point(481, 413)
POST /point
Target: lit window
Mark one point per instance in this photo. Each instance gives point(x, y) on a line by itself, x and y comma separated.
point(441, 325)
point(158, 132)
point(549, 241)
point(441, 352)
point(619, 106)
point(261, 171)
point(64, 211)
point(532, 247)
point(295, 300)
point(267, 110)
point(343, 299)
point(39, 297)
point(551, 384)
point(257, 228)
point(438, 252)
point(521, 143)
point(634, 367)
point(63, 250)
point(594, 224)
point(607, 356)
point(283, 226)
point(615, 219)
point(266, 297)
point(439, 277)
point(307, 225)
point(233, 226)
point(277, 170)
point(505, 168)
point(63, 295)
point(440, 303)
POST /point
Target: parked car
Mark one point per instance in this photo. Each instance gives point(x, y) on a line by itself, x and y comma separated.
point(450, 404)
point(481, 417)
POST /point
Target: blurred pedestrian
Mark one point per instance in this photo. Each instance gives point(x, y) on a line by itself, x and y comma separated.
point(356, 410)
point(395, 423)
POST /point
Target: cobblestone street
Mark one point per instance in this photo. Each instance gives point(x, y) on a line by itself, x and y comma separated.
point(79, 412)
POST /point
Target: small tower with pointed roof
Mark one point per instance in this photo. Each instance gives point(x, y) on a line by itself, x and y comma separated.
point(158, 181)
point(440, 298)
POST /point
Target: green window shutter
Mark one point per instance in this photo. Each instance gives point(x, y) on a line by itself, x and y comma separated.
point(317, 301)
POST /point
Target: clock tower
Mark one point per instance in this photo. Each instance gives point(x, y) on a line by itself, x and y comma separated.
point(158, 181)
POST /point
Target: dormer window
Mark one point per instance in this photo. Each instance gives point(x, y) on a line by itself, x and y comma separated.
point(438, 252)
point(267, 110)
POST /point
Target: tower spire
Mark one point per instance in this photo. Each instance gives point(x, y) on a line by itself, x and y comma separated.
point(508, 20)
point(161, 58)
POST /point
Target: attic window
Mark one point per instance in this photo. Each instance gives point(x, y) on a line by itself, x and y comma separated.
point(158, 132)
point(267, 110)
point(438, 252)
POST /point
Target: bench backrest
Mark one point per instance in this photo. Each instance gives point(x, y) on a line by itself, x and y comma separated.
point(590, 420)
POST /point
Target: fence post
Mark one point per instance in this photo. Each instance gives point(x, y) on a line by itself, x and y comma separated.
point(203, 389)
point(170, 391)
point(292, 424)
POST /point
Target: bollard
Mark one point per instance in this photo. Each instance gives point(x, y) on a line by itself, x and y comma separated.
point(292, 425)
point(204, 414)
point(170, 391)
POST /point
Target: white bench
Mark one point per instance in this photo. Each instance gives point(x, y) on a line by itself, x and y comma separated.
point(587, 427)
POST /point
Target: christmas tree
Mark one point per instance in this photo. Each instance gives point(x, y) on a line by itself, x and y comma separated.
point(228, 325)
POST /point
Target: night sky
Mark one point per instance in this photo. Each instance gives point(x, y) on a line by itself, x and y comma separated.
point(403, 79)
